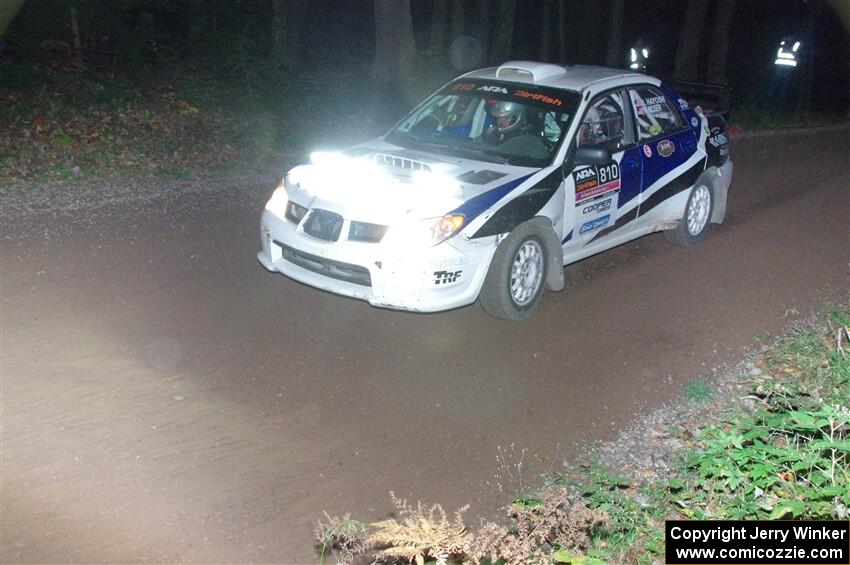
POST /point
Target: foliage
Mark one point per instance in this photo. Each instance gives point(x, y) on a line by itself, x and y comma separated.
point(788, 457)
point(758, 117)
point(343, 535)
point(698, 390)
point(418, 534)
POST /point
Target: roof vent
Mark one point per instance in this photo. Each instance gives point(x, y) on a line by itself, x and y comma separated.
point(525, 71)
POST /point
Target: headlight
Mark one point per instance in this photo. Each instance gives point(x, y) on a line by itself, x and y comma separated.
point(425, 233)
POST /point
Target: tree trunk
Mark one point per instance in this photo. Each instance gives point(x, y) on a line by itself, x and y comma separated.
point(279, 43)
point(546, 31)
point(297, 15)
point(394, 46)
point(504, 32)
point(439, 15)
point(456, 19)
point(720, 42)
point(8, 10)
point(614, 54)
point(805, 82)
point(562, 32)
point(75, 28)
point(484, 28)
point(687, 52)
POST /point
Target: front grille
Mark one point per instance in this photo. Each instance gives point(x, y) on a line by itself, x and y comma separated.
point(354, 274)
point(400, 163)
point(323, 224)
point(364, 231)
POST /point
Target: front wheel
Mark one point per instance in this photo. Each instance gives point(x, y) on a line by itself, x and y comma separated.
point(514, 283)
point(693, 227)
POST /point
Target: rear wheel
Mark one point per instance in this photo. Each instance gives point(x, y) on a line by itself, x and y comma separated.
point(693, 227)
point(514, 283)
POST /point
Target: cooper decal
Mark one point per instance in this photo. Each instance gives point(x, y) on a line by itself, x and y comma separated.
point(665, 148)
point(595, 224)
point(446, 277)
point(598, 206)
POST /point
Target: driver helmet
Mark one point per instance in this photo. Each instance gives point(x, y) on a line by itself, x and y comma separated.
point(508, 115)
point(591, 127)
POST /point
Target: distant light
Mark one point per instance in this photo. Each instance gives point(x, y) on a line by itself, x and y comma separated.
point(634, 66)
point(796, 46)
point(633, 54)
point(645, 52)
point(786, 62)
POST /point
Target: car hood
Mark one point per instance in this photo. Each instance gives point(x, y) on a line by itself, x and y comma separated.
point(382, 183)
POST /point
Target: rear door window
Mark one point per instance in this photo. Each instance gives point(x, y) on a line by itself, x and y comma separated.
point(654, 114)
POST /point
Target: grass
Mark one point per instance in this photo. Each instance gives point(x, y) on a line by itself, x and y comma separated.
point(699, 390)
point(789, 457)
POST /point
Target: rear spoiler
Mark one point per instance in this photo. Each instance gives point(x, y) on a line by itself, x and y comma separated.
point(714, 99)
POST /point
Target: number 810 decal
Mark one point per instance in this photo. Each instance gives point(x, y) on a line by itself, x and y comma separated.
point(596, 180)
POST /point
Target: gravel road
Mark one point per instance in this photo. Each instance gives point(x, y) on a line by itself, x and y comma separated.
point(164, 398)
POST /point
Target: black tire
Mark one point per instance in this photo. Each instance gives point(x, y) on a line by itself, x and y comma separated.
point(504, 294)
point(684, 234)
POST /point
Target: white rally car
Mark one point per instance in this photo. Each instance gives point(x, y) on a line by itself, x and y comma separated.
point(494, 183)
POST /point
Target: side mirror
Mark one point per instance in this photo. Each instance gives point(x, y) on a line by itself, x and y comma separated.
point(592, 155)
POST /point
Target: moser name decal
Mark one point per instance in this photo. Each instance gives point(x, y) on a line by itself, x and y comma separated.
point(596, 181)
point(595, 224)
point(599, 206)
point(446, 277)
point(665, 148)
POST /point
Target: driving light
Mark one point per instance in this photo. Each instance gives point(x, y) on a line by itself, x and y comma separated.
point(425, 233)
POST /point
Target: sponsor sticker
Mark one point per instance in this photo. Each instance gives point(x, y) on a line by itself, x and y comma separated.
point(493, 88)
point(694, 122)
point(444, 278)
point(595, 224)
point(464, 86)
point(718, 138)
point(538, 97)
point(596, 181)
point(647, 150)
point(665, 148)
point(450, 262)
point(683, 104)
point(601, 205)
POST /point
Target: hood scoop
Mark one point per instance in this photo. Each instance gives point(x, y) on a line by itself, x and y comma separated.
point(401, 164)
point(480, 177)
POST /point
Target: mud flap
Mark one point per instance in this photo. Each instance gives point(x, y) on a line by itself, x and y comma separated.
point(720, 181)
point(554, 258)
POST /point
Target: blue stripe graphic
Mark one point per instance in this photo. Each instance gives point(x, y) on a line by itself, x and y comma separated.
point(473, 207)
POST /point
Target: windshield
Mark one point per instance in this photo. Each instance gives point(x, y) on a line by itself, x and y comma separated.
point(500, 122)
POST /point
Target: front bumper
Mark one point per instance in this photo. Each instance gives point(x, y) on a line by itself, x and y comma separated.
point(430, 279)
